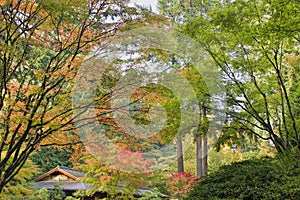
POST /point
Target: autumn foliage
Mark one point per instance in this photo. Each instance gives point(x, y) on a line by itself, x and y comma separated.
point(42, 45)
point(126, 171)
point(181, 183)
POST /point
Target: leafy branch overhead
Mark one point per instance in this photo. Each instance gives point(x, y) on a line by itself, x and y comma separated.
point(256, 44)
point(42, 46)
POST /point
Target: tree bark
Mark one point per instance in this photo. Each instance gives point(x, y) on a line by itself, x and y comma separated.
point(199, 156)
point(179, 155)
point(204, 157)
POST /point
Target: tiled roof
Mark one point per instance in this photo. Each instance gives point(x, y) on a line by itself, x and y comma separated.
point(73, 172)
point(66, 185)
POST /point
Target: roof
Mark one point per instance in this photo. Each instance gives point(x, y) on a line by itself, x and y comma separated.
point(73, 184)
point(71, 173)
point(66, 185)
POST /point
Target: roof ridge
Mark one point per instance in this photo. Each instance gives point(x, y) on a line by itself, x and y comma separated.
point(69, 168)
point(61, 166)
point(70, 172)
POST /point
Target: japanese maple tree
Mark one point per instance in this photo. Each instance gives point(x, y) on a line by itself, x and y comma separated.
point(42, 45)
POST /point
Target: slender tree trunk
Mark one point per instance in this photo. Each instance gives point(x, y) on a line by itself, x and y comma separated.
point(204, 160)
point(199, 155)
point(179, 155)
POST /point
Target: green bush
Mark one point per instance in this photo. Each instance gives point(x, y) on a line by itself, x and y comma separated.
point(252, 179)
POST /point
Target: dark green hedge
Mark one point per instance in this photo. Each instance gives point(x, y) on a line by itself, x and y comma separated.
point(252, 179)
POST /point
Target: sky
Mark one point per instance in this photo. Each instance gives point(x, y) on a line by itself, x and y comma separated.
point(146, 3)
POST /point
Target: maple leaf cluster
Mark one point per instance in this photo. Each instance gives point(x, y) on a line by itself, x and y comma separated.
point(181, 183)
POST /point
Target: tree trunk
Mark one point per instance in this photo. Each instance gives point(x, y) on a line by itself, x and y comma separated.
point(199, 155)
point(204, 159)
point(179, 155)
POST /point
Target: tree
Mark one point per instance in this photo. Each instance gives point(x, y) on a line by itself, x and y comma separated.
point(179, 12)
point(42, 46)
point(41, 194)
point(139, 104)
point(168, 10)
point(172, 106)
point(203, 99)
point(113, 179)
point(254, 43)
point(49, 157)
point(21, 185)
point(56, 194)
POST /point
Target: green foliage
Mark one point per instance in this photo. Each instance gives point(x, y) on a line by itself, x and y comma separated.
point(224, 156)
point(151, 194)
point(165, 97)
point(49, 158)
point(21, 185)
point(179, 11)
point(57, 193)
point(44, 194)
point(80, 194)
point(71, 198)
point(255, 44)
point(157, 181)
point(252, 179)
point(41, 194)
point(234, 134)
point(111, 179)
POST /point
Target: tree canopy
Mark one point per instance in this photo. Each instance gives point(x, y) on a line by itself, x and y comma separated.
point(256, 45)
point(42, 46)
point(162, 77)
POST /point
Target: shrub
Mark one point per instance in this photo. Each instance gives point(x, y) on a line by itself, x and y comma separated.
point(181, 183)
point(251, 179)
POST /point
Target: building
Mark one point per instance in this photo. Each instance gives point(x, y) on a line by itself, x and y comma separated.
point(71, 181)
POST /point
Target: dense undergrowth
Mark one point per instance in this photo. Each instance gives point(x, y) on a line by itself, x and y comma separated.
point(266, 178)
